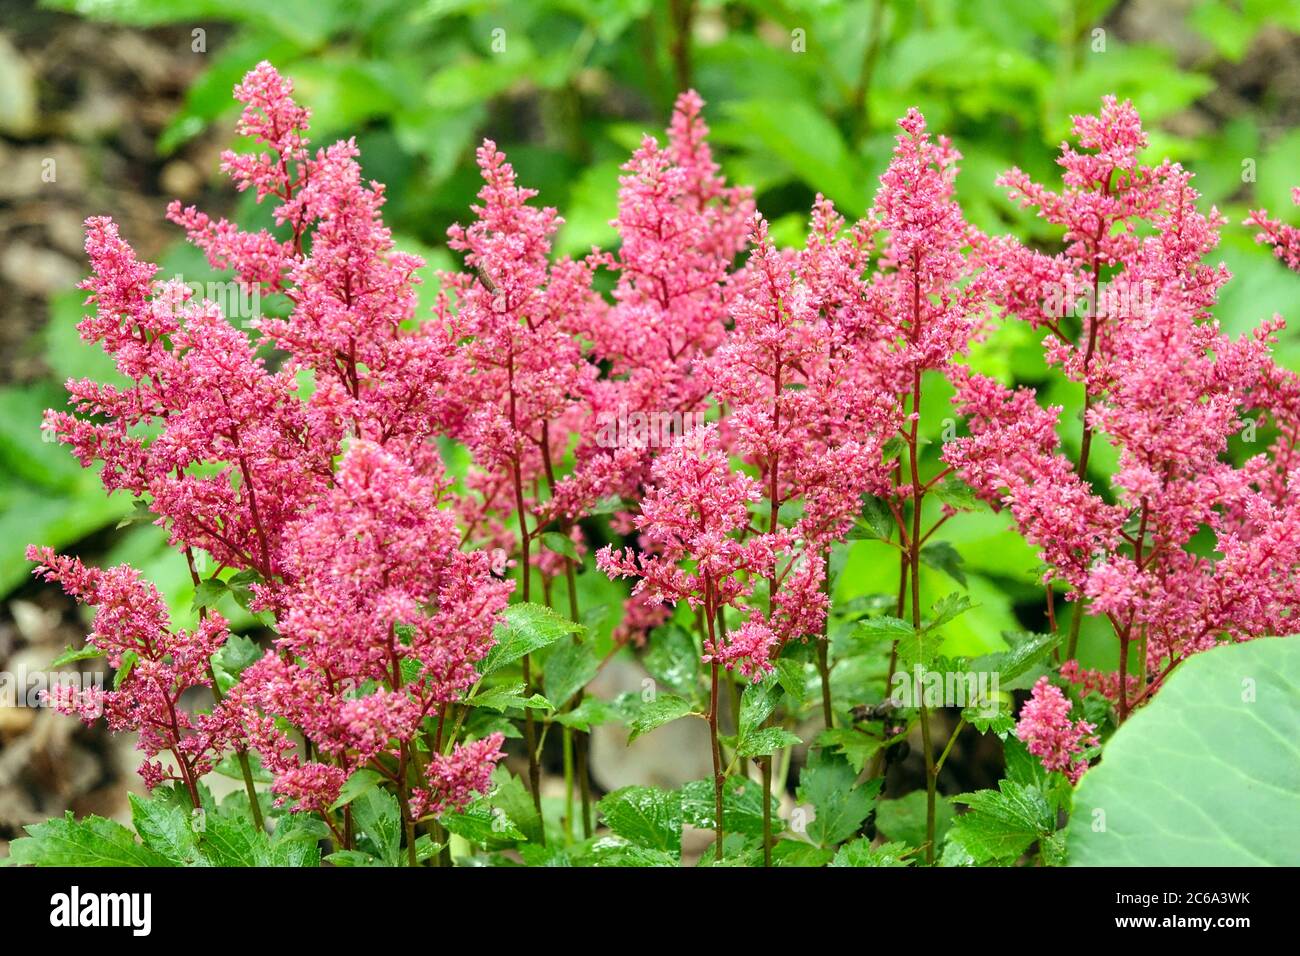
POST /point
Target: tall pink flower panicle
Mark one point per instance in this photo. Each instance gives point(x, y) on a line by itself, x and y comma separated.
point(749, 649)
point(1167, 389)
point(383, 599)
point(680, 229)
point(798, 410)
point(1106, 272)
point(333, 495)
point(1011, 458)
point(198, 382)
point(692, 512)
point(1284, 238)
point(155, 666)
point(352, 294)
point(1049, 734)
point(453, 779)
point(273, 120)
point(521, 374)
point(692, 517)
point(927, 290)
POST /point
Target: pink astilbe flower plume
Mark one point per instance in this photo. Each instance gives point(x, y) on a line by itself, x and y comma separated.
point(156, 666)
point(386, 600)
point(521, 375)
point(680, 228)
point(1284, 238)
point(332, 496)
point(453, 779)
point(1167, 389)
point(200, 379)
point(353, 294)
point(690, 521)
point(1050, 735)
point(801, 414)
point(693, 515)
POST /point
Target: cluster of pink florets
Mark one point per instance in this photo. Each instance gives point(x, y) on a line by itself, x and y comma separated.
point(1050, 735)
point(385, 583)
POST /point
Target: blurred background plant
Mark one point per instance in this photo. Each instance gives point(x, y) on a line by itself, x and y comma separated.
point(117, 106)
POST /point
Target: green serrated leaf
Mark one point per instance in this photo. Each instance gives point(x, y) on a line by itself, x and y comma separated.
point(645, 816)
point(526, 628)
point(875, 520)
point(93, 841)
point(742, 806)
point(862, 853)
point(756, 705)
point(592, 712)
point(129, 659)
point(70, 656)
point(947, 609)
point(482, 824)
point(296, 841)
point(1001, 824)
point(569, 667)
point(792, 675)
point(673, 660)
point(209, 592)
point(769, 740)
point(839, 806)
point(361, 782)
point(233, 841)
point(903, 819)
point(957, 494)
point(378, 825)
point(499, 698)
point(655, 713)
point(166, 828)
point(236, 655)
point(561, 544)
point(140, 514)
point(800, 854)
point(1028, 652)
point(856, 746)
point(881, 630)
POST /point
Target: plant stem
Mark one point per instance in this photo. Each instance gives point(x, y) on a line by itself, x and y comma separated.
point(823, 647)
point(525, 573)
point(241, 752)
point(717, 762)
point(914, 558)
point(566, 739)
point(713, 718)
point(951, 740)
point(682, 14)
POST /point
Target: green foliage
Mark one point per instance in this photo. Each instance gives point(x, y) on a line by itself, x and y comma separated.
point(657, 712)
point(172, 833)
point(646, 817)
point(839, 804)
point(422, 84)
point(93, 841)
point(525, 629)
point(862, 853)
point(1000, 824)
point(1207, 774)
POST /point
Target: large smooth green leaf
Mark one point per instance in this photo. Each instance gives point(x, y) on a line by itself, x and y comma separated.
point(1207, 774)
